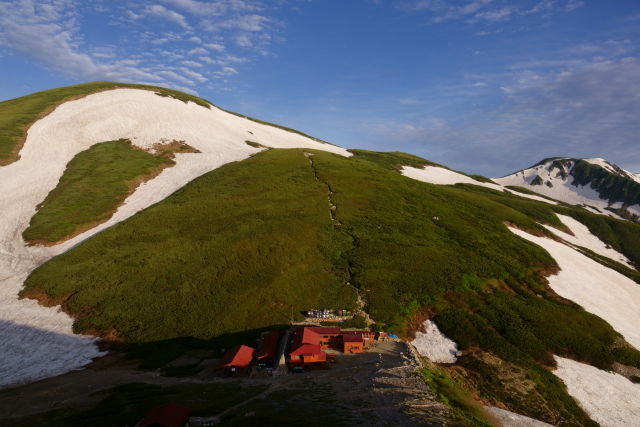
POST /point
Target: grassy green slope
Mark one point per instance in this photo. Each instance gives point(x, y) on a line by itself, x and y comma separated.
point(16, 115)
point(249, 244)
point(95, 182)
point(244, 246)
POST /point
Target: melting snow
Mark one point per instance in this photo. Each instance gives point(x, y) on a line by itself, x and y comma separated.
point(37, 341)
point(609, 398)
point(583, 237)
point(511, 419)
point(598, 289)
point(434, 345)
point(442, 176)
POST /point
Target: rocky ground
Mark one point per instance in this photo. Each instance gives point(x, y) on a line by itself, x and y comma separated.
point(378, 387)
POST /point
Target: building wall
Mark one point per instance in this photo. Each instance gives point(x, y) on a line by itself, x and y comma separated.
point(352, 347)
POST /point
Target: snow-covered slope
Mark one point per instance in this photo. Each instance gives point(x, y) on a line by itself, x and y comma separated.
point(598, 289)
point(36, 341)
point(609, 398)
point(583, 237)
point(603, 185)
point(443, 176)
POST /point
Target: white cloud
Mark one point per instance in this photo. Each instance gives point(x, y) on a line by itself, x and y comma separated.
point(485, 11)
point(217, 47)
point(573, 4)
point(192, 64)
point(496, 15)
point(162, 12)
point(590, 110)
point(218, 7)
point(194, 75)
point(44, 32)
point(198, 51)
point(226, 71)
point(215, 34)
point(175, 76)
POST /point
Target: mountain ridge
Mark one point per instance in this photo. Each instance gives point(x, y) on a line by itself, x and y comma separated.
point(259, 223)
point(595, 183)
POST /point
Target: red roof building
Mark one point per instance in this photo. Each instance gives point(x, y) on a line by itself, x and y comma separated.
point(306, 347)
point(168, 415)
point(352, 343)
point(238, 357)
point(329, 335)
point(269, 346)
point(366, 335)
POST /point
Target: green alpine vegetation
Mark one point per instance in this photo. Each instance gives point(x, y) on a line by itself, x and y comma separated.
point(253, 244)
point(95, 182)
point(17, 115)
point(610, 186)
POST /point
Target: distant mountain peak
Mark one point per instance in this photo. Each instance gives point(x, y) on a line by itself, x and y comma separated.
point(594, 183)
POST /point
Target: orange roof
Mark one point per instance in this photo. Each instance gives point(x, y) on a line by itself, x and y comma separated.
point(240, 356)
point(306, 343)
point(168, 415)
point(305, 336)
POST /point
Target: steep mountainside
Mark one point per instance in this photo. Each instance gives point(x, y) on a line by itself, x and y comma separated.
point(596, 184)
point(220, 225)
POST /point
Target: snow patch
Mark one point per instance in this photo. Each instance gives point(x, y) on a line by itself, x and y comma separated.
point(37, 341)
point(598, 289)
point(442, 176)
point(603, 164)
point(511, 419)
point(583, 237)
point(608, 398)
point(434, 345)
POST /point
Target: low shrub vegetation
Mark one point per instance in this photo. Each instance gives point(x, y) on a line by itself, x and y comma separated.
point(252, 243)
point(95, 182)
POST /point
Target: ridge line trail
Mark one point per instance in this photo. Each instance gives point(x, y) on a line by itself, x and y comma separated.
point(355, 243)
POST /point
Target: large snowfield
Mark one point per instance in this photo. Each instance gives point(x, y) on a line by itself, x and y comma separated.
point(598, 289)
point(609, 398)
point(443, 176)
point(35, 341)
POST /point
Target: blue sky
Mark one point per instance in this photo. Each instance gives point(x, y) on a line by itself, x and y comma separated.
point(483, 86)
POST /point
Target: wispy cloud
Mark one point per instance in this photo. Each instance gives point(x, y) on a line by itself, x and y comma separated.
point(159, 11)
point(214, 34)
point(486, 11)
point(572, 106)
point(46, 31)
